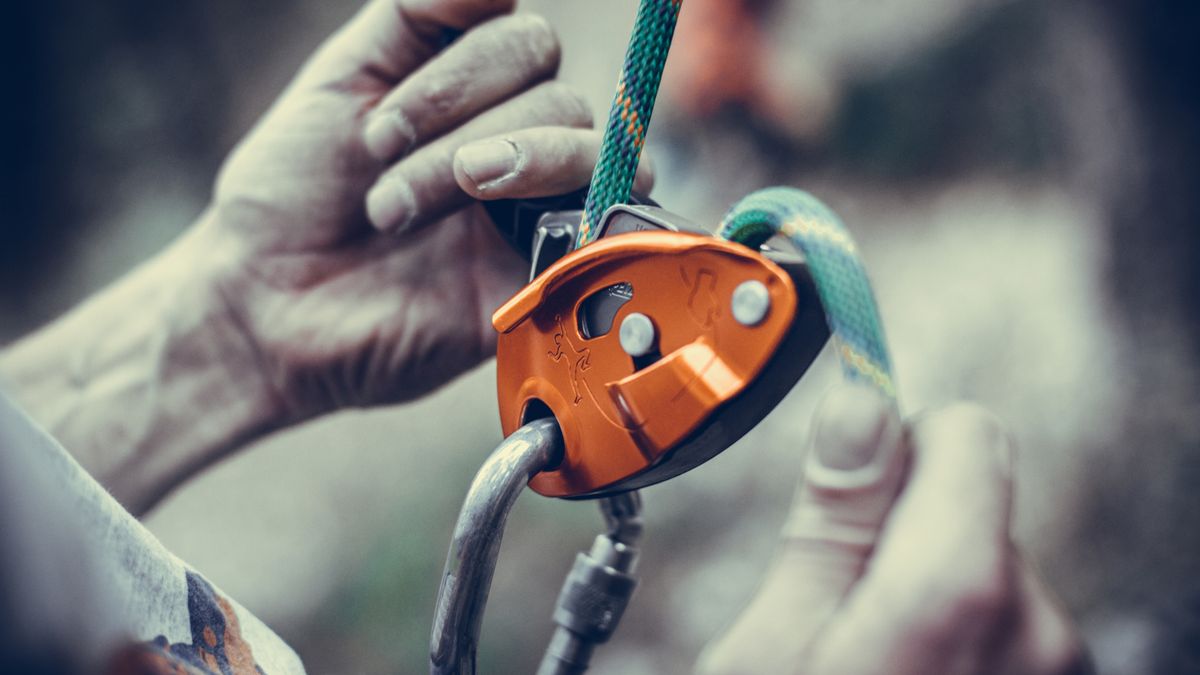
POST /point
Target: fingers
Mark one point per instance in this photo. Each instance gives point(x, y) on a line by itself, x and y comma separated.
point(422, 186)
point(535, 163)
point(1046, 641)
point(489, 64)
point(940, 587)
point(943, 590)
point(460, 14)
point(856, 464)
point(854, 469)
point(388, 39)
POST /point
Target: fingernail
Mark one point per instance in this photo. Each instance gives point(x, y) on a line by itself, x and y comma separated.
point(489, 162)
point(852, 472)
point(388, 135)
point(850, 429)
point(391, 206)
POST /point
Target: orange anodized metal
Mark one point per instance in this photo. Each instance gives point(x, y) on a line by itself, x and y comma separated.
point(618, 420)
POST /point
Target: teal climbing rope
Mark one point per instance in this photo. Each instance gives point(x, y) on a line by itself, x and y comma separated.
point(829, 250)
point(629, 117)
point(836, 269)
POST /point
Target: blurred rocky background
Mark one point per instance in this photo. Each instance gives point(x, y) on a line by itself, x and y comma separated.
point(1022, 176)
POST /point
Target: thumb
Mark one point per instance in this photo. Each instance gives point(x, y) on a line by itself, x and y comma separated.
point(854, 470)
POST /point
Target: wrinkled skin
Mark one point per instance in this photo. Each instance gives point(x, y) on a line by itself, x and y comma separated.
point(363, 272)
point(897, 559)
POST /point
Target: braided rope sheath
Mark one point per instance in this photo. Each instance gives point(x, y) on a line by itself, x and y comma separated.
point(629, 117)
point(836, 269)
point(829, 250)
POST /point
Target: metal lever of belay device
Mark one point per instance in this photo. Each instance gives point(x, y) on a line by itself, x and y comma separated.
point(620, 365)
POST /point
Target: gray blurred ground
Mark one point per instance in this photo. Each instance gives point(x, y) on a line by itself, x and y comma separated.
point(990, 156)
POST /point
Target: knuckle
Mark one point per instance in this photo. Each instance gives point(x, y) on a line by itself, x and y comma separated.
point(971, 426)
point(539, 41)
point(977, 603)
point(442, 94)
point(527, 43)
point(568, 106)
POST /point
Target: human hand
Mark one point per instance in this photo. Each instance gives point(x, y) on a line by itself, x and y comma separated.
point(897, 558)
point(344, 260)
point(363, 271)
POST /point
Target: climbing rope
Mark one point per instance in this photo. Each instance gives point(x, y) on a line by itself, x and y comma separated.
point(601, 581)
point(829, 250)
point(836, 269)
point(629, 117)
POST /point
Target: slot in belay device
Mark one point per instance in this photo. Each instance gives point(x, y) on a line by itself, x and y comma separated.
point(642, 347)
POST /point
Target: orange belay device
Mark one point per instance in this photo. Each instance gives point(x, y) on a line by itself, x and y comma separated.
point(620, 365)
point(642, 344)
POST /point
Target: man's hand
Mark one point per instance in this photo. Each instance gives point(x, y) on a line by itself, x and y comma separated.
point(365, 275)
point(897, 560)
point(344, 260)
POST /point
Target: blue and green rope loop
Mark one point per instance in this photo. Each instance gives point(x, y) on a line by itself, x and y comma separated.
point(814, 229)
point(836, 269)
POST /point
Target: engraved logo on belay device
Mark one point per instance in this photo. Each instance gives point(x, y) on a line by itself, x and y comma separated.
point(627, 420)
point(577, 360)
point(702, 300)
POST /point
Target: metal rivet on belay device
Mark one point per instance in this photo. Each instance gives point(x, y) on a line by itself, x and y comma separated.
point(751, 302)
point(637, 334)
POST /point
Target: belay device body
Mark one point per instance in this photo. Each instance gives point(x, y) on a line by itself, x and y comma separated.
point(711, 323)
point(642, 347)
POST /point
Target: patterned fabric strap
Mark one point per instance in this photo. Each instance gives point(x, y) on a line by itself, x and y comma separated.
point(837, 271)
point(629, 117)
